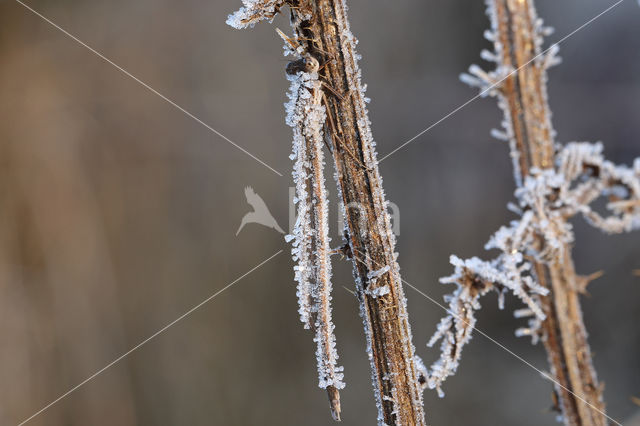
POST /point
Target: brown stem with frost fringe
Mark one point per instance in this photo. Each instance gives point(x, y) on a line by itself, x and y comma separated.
point(322, 26)
point(525, 102)
point(554, 183)
point(323, 36)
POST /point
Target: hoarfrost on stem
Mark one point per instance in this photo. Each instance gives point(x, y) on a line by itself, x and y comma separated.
point(475, 278)
point(546, 200)
point(373, 275)
point(310, 238)
point(306, 115)
point(254, 11)
point(398, 394)
point(554, 183)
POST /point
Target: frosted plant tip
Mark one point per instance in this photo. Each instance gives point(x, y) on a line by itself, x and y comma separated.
point(254, 11)
point(334, 400)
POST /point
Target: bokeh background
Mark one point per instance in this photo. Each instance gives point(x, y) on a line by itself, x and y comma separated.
point(118, 213)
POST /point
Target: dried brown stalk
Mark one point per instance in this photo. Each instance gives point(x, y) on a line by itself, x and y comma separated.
point(323, 29)
point(322, 34)
point(554, 183)
point(524, 97)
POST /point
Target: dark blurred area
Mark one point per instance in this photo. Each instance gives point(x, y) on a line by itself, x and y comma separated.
point(118, 213)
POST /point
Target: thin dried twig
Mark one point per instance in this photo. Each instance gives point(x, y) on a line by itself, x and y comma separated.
point(311, 247)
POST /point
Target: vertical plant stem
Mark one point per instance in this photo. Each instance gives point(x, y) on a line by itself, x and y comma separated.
point(322, 26)
point(524, 102)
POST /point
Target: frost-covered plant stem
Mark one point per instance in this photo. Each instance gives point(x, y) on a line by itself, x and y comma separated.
point(311, 249)
point(553, 184)
point(519, 83)
point(322, 35)
point(523, 99)
point(322, 27)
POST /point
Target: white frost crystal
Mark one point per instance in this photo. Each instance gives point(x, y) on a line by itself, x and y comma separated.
point(374, 275)
point(306, 115)
point(475, 278)
point(545, 200)
point(254, 11)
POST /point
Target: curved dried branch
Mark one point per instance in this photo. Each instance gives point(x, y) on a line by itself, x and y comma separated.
point(588, 176)
point(475, 278)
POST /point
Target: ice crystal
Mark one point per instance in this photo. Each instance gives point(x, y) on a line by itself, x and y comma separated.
point(378, 291)
point(588, 177)
point(373, 275)
point(580, 177)
point(254, 11)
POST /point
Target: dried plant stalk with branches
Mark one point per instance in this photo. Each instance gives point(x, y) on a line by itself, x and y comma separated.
point(328, 105)
point(554, 183)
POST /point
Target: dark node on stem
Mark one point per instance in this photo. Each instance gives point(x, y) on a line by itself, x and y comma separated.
point(422, 379)
point(554, 195)
point(592, 170)
point(308, 64)
point(477, 283)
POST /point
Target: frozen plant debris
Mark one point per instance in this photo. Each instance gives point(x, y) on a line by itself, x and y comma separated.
point(475, 278)
point(378, 291)
point(588, 177)
point(546, 200)
point(254, 11)
point(373, 275)
point(516, 28)
point(311, 250)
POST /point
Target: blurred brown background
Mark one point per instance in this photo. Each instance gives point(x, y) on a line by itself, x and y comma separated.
point(118, 213)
